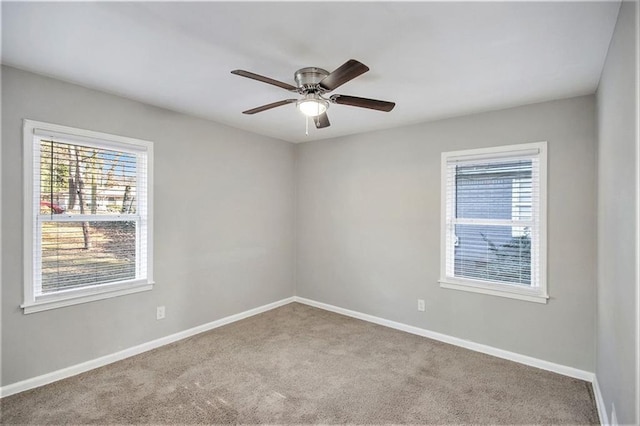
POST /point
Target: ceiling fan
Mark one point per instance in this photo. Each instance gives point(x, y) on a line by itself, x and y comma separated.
point(313, 83)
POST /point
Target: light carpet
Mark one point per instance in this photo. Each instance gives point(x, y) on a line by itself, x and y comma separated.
point(298, 364)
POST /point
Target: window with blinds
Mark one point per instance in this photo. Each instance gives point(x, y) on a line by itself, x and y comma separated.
point(89, 215)
point(493, 221)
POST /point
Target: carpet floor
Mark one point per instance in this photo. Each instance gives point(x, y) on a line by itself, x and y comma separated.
point(298, 364)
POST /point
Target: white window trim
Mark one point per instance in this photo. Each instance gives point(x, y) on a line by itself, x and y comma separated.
point(538, 294)
point(32, 304)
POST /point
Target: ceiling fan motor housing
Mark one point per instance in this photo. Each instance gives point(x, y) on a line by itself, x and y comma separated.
point(308, 78)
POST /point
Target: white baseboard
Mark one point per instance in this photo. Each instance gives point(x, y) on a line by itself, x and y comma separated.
point(602, 409)
point(478, 347)
point(614, 419)
point(73, 370)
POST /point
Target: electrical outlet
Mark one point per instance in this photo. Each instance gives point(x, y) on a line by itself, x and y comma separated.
point(160, 312)
point(421, 305)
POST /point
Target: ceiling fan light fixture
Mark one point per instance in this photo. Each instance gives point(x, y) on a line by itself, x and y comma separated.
point(312, 106)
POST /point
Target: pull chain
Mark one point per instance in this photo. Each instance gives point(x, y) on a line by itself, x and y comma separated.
point(306, 132)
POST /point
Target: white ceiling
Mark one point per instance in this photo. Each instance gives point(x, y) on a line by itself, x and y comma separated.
point(433, 59)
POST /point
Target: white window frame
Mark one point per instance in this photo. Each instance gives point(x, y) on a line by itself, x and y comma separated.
point(32, 132)
point(538, 290)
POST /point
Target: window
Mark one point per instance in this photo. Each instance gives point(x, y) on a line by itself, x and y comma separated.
point(88, 216)
point(493, 234)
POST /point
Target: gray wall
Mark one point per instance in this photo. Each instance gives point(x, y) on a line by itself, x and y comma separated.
point(368, 225)
point(617, 257)
point(223, 226)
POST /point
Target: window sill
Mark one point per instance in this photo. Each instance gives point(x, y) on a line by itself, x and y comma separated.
point(496, 290)
point(76, 298)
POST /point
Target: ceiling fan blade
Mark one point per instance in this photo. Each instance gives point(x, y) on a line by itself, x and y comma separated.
point(345, 72)
point(269, 106)
point(363, 102)
point(322, 121)
point(264, 79)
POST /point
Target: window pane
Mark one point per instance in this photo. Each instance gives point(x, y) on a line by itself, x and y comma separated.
point(75, 179)
point(493, 253)
point(494, 191)
point(82, 254)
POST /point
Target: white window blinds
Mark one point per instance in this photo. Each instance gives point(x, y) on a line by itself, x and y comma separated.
point(92, 204)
